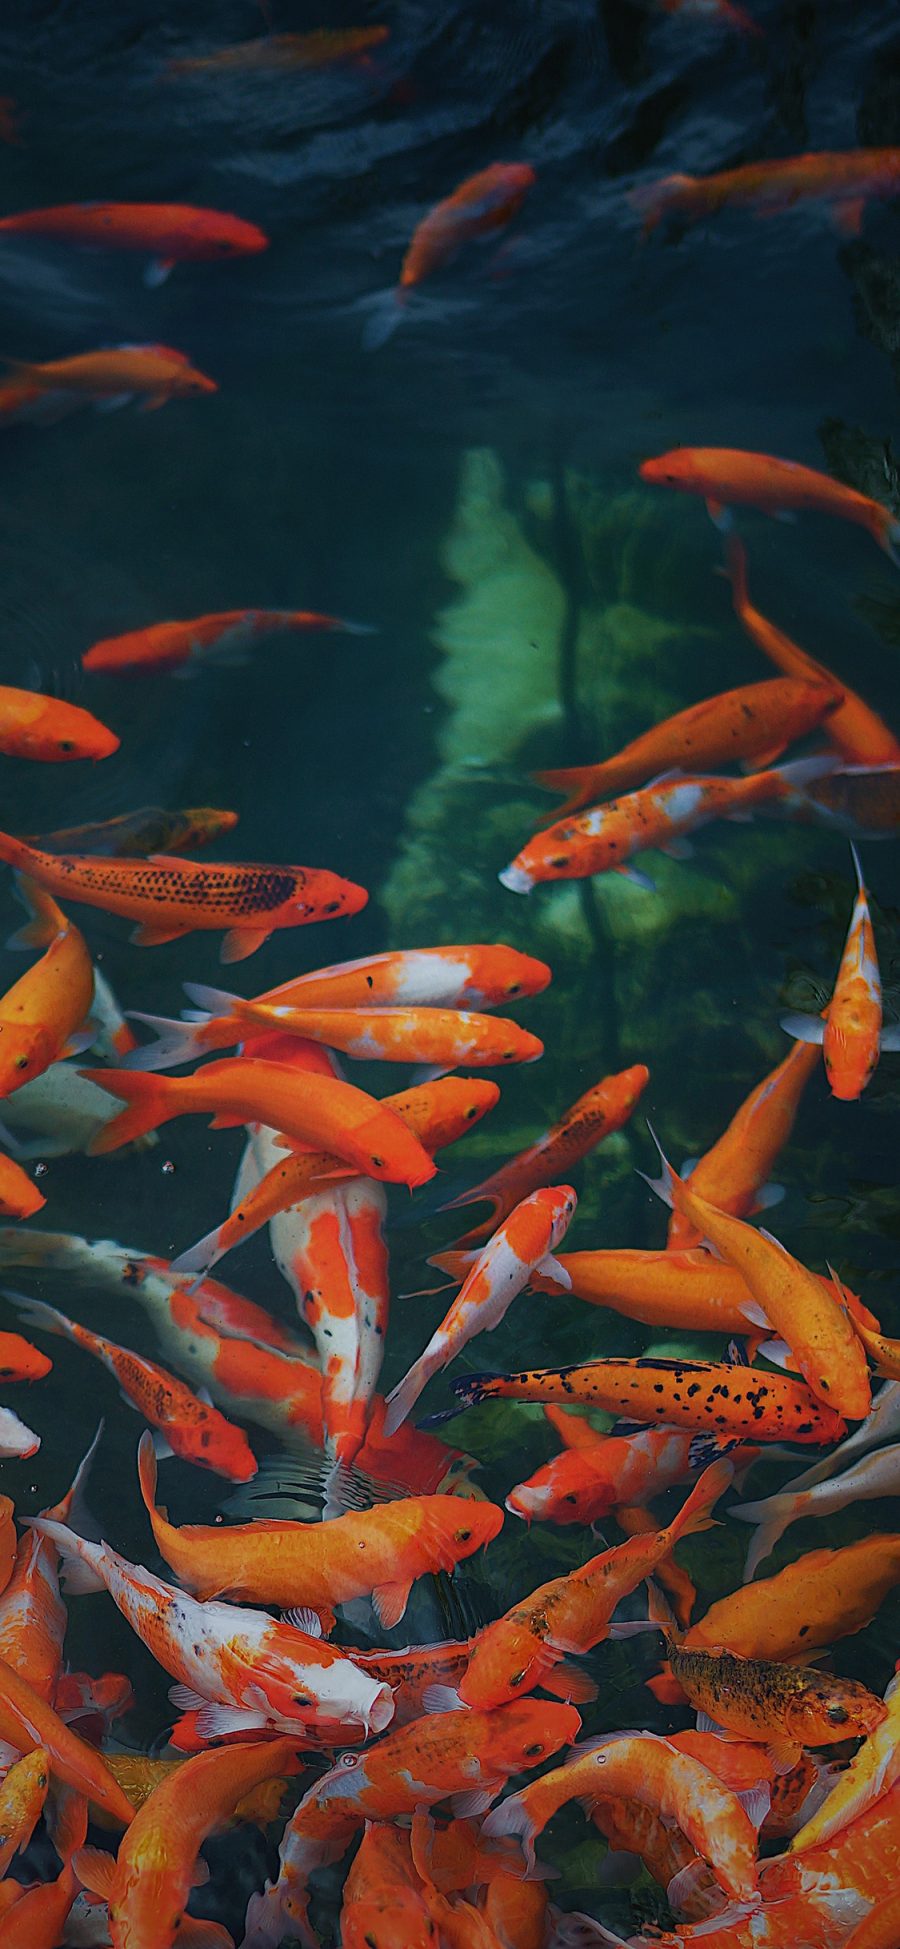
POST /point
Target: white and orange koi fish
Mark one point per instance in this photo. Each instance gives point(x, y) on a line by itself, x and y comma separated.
point(850, 1031)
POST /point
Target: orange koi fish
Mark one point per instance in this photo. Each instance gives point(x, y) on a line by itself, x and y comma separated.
point(32, 1613)
point(425, 1678)
point(573, 1613)
point(448, 1037)
point(873, 1771)
point(583, 1484)
point(437, 1113)
point(320, 49)
point(223, 637)
point(262, 1673)
point(192, 1428)
point(20, 1361)
point(855, 730)
point(717, 11)
point(752, 726)
point(169, 233)
point(314, 1566)
point(456, 1856)
point(38, 1918)
point(634, 1520)
point(526, 1240)
point(797, 1304)
point(639, 1766)
point(845, 181)
point(517, 1911)
point(604, 839)
point(851, 1036)
point(465, 1754)
point(148, 1883)
point(485, 202)
point(595, 1115)
point(151, 829)
point(139, 1776)
point(42, 1013)
point(726, 475)
point(27, 1721)
point(53, 732)
point(171, 897)
point(880, 1929)
point(696, 1394)
point(311, 1109)
point(93, 1704)
point(384, 1903)
point(689, 1290)
point(733, 1174)
point(22, 1797)
point(479, 975)
point(120, 373)
point(820, 1597)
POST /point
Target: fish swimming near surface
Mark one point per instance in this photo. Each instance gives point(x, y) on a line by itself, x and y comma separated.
point(151, 829)
point(485, 202)
point(168, 898)
point(844, 180)
point(751, 726)
point(50, 731)
point(850, 1030)
point(168, 233)
point(733, 1174)
point(728, 476)
point(153, 374)
point(43, 1015)
point(226, 636)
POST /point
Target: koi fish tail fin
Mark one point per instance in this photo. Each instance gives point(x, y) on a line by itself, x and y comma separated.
point(576, 782)
point(694, 1515)
point(147, 1475)
point(795, 777)
point(176, 1043)
point(68, 1824)
point(386, 311)
point(72, 1508)
point(36, 1312)
point(402, 1398)
point(664, 1185)
point(512, 1817)
point(147, 1101)
point(200, 1257)
point(47, 919)
point(661, 1614)
point(80, 1559)
point(886, 531)
point(270, 1920)
point(578, 1931)
point(654, 201)
point(773, 1516)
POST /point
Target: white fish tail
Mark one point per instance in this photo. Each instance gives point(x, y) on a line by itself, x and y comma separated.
point(176, 1043)
point(512, 1817)
point(200, 1257)
point(402, 1398)
point(80, 1560)
point(36, 1312)
point(773, 1516)
point(215, 1001)
point(663, 1184)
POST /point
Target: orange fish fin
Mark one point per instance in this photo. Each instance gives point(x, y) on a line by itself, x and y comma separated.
point(47, 919)
point(570, 1684)
point(240, 942)
point(389, 1602)
point(764, 759)
point(95, 1870)
point(226, 1120)
point(148, 936)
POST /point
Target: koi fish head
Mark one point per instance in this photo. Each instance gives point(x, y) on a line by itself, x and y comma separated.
point(529, 1731)
point(505, 975)
point(189, 380)
point(23, 1053)
point(223, 1447)
point(850, 1053)
point(548, 856)
point(507, 1662)
point(673, 469)
point(392, 1917)
point(831, 1709)
point(570, 1489)
point(64, 732)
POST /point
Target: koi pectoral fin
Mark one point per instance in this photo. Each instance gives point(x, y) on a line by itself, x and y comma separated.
point(240, 942)
point(890, 1038)
point(550, 1268)
point(389, 1602)
point(805, 1028)
point(146, 935)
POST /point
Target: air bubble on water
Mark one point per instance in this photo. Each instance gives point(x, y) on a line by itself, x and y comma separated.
point(41, 1169)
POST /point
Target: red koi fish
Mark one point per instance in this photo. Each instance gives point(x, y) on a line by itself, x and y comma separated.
point(844, 180)
point(485, 202)
point(855, 730)
point(20, 1361)
point(169, 233)
point(223, 637)
point(191, 1428)
point(171, 897)
point(584, 1483)
point(727, 475)
point(733, 1175)
point(524, 1242)
point(604, 839)
point(49, 730)
point(751, 726)
point(595, 1115)
point(851, 1035)
point(152, 373)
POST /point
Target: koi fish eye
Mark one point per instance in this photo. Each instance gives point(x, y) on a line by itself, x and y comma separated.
point(471, 1113)
point(370, 1942)
point(377, 1161)
point(331, 907)
point(65, 744)
point(561, 860)
point(534, 1752)
point(462, 1535)
point(572, 1499)
point(518, 1678)
point(22, 1062)
point(349, 1759)
point(515, 988)
point(837, 1715)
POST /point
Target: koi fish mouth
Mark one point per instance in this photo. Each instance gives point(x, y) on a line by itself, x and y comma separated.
point(516, 879)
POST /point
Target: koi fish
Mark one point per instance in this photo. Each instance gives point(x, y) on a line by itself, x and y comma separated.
point(437, 1113)
point(28, 1721)
point(22, 1796)
point(38, 1918)
point(861, 800)
point(880, 1928)
point(148, 1883)
point(474, 976)
point(469, 1755)
point(698, 1394)
point(485, 202)
point(93, 1704)
point(223, 637)
point(751, 726)
point(876, 1475)
point(725, 475)
point(604, 839)
point(592, 1117)
point(169, 233)
point(451, 1038)
point(733, 1175)
point(689, 1290)
point(821, 1596)
point(241, 1669)
point(375, 1553)
point(844, 180)
point(42, 1013)
point(517, 1911)
point(16, 1441)
point(526, 1240)
point(49, 730)
point(573, 1613)
point(855, 730)
point(824, 1345)
point(851, 1036)
point(134, 834)
point(312, 1109)
point(20, 1361)
point(384, 1905)
point(114, 376)
point(873, 1771)
point(32, 1613)
point(322, 48)
point(676, 1786)
point(139, 1776)
point(583, 1484)
point(456, 1856)
point(192, 1428)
